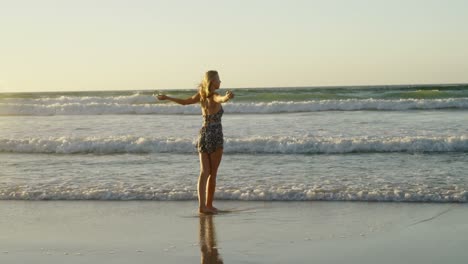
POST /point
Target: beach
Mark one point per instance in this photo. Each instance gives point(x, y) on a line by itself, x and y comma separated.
point(323, 131)
point(252, 232)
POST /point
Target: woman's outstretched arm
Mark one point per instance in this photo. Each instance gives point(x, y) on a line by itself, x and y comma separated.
point(191, 100)
point(222, 99)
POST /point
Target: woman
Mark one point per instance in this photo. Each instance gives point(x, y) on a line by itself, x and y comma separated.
point(210, 139)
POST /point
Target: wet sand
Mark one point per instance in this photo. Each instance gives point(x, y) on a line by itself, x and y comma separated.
point(251, 232)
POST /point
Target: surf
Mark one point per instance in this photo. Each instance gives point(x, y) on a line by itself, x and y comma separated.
point(246, 145)
point(142, 108)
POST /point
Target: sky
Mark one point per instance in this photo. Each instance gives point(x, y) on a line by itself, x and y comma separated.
point(85, 45)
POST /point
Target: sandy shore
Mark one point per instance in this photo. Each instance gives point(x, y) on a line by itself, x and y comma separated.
point(253, 232)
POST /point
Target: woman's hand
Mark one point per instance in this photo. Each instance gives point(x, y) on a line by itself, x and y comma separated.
point(229, 95)
point(162, 97)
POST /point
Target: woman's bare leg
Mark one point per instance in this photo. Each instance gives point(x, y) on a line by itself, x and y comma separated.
point(202, 183)
point(215, 160)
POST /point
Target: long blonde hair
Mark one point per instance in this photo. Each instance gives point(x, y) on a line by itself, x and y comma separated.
point(204, 86)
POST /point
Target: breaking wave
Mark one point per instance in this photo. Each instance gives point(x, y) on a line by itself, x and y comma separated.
point(251, 145)
point(286, 193)
point(144, 105)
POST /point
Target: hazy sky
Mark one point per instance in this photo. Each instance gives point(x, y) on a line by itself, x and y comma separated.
point(149, 44)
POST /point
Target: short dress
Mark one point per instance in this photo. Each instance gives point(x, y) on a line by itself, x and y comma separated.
point(210, 137)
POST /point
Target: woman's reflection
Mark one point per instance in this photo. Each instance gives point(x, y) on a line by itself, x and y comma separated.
point(208, 247)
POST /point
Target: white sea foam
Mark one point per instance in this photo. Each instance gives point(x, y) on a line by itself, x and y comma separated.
point(265, 145)
point(136, 98)
point(141, 104)
point(285, 193)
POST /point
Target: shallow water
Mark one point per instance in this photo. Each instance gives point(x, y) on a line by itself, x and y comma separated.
point(370, 155)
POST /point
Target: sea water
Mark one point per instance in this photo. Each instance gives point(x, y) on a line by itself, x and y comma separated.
point(373, 143)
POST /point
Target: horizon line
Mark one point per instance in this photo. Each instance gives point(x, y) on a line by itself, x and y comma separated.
point(258, 87)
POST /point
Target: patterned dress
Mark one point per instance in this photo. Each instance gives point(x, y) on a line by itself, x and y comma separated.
point(210, 137)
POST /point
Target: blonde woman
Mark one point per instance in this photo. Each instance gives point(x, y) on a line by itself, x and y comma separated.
point(210, 138)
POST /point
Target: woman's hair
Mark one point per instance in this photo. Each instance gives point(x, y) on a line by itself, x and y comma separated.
point(204, 86)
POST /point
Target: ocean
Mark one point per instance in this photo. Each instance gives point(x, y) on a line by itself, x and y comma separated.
point(406, 143)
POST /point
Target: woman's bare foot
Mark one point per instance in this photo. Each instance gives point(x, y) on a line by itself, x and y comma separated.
point(206, 210)
point(213, 208)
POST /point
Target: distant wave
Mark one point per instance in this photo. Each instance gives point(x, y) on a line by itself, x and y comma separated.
point(136, 98)
point(141, 105)
point(253, 145)
point(242, 193)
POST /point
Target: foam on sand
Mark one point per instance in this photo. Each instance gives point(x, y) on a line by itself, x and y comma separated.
point(108, 190)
